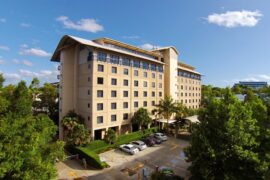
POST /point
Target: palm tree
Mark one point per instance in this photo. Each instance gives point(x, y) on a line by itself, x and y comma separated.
point(141, 117)
point(181, 112)
point(166, 108)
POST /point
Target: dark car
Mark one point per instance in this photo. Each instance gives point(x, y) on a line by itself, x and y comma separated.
point(156, 140)
point(149, 141)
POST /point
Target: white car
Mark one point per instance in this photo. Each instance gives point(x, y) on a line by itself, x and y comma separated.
point(129, 148)
point(139, 144)
point(161, 136)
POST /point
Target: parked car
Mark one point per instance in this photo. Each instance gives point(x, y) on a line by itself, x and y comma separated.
point(149, 141)
point(139, 144)
point(161, 136)
point(156, 140)
point(129, 148)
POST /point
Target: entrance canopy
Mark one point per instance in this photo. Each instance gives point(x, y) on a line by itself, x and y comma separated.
point(165, 121)
point(193, 119)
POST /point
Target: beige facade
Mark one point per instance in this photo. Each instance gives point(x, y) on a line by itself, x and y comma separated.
point(106, 81)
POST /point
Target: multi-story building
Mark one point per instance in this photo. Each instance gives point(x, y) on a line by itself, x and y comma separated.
point(252, 84)
point(106, 81)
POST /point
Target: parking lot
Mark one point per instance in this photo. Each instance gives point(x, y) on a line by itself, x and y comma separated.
point(125, 166)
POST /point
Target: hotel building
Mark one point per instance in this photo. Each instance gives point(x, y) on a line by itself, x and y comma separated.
point(106, 81)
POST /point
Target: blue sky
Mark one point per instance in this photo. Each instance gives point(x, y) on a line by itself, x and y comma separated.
point(227, 40)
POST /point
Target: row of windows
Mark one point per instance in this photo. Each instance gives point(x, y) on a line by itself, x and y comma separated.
point(100, 93)
point(100, 106)
point(126, 71)
point(188, 74)
point(190, 81)
point(189, 88)
point(189, 94)
point(114, 59)
point(190, 101)
point(113, 118)
point(100, 80)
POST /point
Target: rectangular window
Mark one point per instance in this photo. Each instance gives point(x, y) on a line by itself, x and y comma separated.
point(126, 61)
point(113, 117)
point(99, 119)
point(153, 94)
point(88, 105)
point(113, 94)
point(145, 65)
point(160, 68)
point(90, 56)
point(145, 74)
point(144, 83)
point(100, 93)
point(145, 103)
point(136, 93)
point(99, 106)
point(144, 93)
point(114, 70)
point(136, 83)
point(136, 73)
point(160, 94)
point(160, 76)
point(160, 85)
point(136, 63)
point(125, 71)
point(102, 56)
point(153, 75)
point(136, 104)
point(153, 85)
point(125, 116)
point(114, 81)
point(114, 59)
point(153, 103)
point(113, 105)
point(100, 80)
point(125, 82)
point(153, 67)
point(88, 92)
point(125, 93)
point(100, 68)
point(125, 105)
point(88, 79)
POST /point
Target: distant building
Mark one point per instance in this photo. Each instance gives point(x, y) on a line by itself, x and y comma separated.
point(252, 84)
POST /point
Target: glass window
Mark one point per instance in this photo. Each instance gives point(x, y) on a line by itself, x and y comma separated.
point(153, 67)
point(160, 94)
point(145, 65)
point(153, 75)
point(100, 119)
point(125, 93)
point(144, 83)
point(100, 80)
point(153, 94)
point(100, 68)
point(113, 106)
point(125, 105)
point(136, 93)
point(113, 94)
point(153, 84)
point(102, 56)
point(136, 63)
point(90, 56)
point(136, 83)
point(99, 106)
point(114, 70)
point(114, 81)
point(125, 82)
point(114, 59)
point(144, 93)
point(145, 74)
point(113, 117)
point(160, 76)
point(144, 103)
point(125, 71)
point(99, 93)
point(136, 104)
point(126, 62)
point(160, 68)
point(153, 103)
point(160, 85)
point(136, 73)
point(125, 116)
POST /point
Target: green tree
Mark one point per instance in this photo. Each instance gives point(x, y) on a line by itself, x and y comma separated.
point(141, 117)
point(224, 145)
point(181, 113)
point(110, 136)
point(166, 108)
point(2, 80)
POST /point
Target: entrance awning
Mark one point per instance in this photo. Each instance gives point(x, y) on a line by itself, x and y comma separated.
point(193, 119)
point(166, 121)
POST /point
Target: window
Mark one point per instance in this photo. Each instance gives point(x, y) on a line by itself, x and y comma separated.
point(136, 93)
point(136, 73)
point(113, 117)
point(114, 59)
point(145, 74)
point(145, 65)
point(136, 104)
point(99, 106)
point(144, 103)
point(125, 82)
point(102, 56)
point(160, 85)
point(100, 68)
point(114, 70)
point(182, 87)
point(99, 80)
point(126, 62)
point(113, 81)
point(153, 84)
point(153, 103)
point(99, 119)
point(113, 94)
point(88, 105)
point(136, 83)
point(153, 75)
point(160, 76)
point(136, 63)
point(88, 118)
point(160, 94)
point(125, 105)
point(99, 93)
point(160, 68)
point(125, 116)
point(125, 93)
point(144, 93)
point(90, 56)
point(88, 79)
point(144, 83)
point(89, 66)
point(113, 105)
point(153, 67)
point(125, 71)
point(88, 92)
point(153, 94)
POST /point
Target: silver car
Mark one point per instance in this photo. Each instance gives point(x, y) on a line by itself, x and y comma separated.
point(129, 148)
point(139, 144)
point(161, 136)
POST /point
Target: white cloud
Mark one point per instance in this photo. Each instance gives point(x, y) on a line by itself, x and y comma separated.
point(232, 19)
point(264, 76)
point(3, 20)
point(89, 25)
point(13, 76)
point(25, 25)
point(148, 46)
point(33, 51)
point(27, 63)
point(2, 61)
point(16, 61)
point(131, 37)
point(4, 48)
